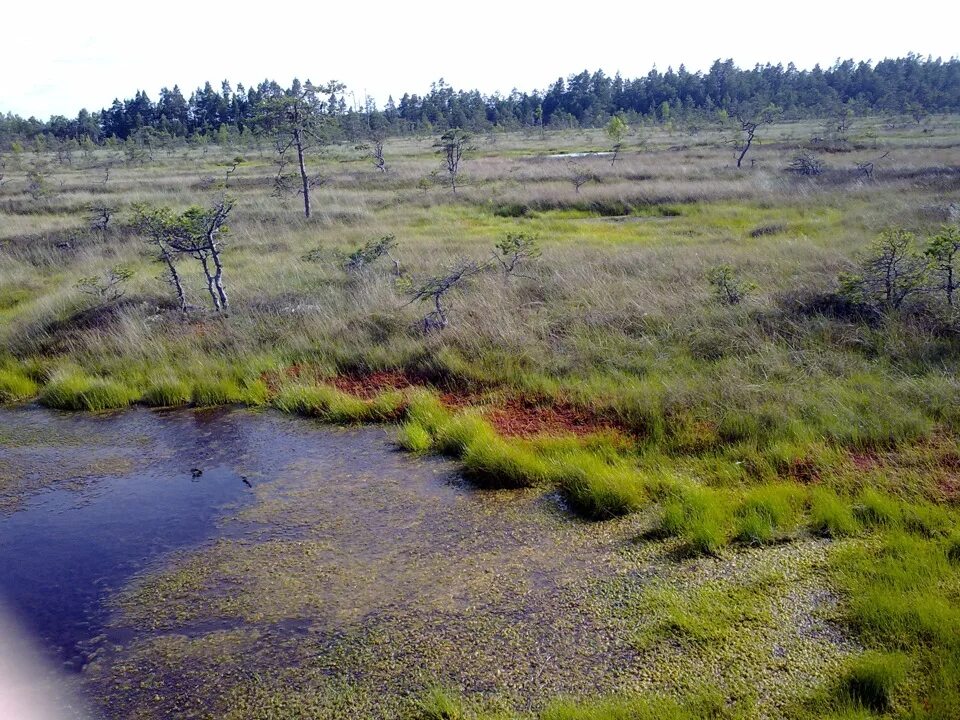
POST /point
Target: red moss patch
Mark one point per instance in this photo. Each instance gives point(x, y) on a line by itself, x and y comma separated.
point(514, 418)
point(863, 461)
point(368, 386)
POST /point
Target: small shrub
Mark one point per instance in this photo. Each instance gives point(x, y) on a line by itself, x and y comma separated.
point(727, 284)
point(830, 515)
point(871, 680)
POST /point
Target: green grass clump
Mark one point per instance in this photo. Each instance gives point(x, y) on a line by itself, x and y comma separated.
point(830, 515)
point(332, 405)
point(953, 549)
point(74, 390)
point(698, 515)
point(642, 708)
point(168, 392)
point(413, 437)
point(494, 462)
point(871, 680)
point(15, 386)
point(873, 509)
point(901, 592)
point(926, 519)
point(697, 705)
point(597, 489)
point(440, 704)
point(453, 436)
point(768, 513)
point(218, 391)
point(425, 408)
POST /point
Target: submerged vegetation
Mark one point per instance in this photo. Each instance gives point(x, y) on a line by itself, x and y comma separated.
point(733, 360)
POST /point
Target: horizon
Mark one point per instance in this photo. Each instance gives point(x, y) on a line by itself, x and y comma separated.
point(90, 61)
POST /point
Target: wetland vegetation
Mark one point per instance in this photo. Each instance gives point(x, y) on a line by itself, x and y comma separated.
point(700, 421)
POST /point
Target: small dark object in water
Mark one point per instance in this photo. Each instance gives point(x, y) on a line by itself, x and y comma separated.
point(196, 472)
point(245, 481)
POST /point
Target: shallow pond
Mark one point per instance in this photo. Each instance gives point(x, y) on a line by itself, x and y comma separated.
point(236, 563)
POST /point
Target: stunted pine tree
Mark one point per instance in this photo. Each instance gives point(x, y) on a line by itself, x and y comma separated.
point(299, 119)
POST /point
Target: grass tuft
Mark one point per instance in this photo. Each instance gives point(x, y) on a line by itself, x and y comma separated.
point(15, 386)
point(494, 462)
point(74, 390)
point(768, 513)
point(871, 681)
point(830, 515)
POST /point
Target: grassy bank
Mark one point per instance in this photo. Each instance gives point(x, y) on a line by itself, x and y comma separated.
point(606, 370)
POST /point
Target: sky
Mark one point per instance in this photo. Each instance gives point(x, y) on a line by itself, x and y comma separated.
point(62, 56)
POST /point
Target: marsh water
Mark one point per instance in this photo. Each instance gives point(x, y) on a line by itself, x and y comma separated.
point(92, 503)
point(267, 560)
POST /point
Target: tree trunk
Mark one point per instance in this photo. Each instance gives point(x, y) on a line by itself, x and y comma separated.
point(298, 141)
point(210, 283)
point(175, 280)
point(218, 279)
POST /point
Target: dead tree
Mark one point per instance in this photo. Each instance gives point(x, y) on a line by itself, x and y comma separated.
point(865, 169)
point(749, 123)
point(100, 215)
point(374, 150)
point(579, 175)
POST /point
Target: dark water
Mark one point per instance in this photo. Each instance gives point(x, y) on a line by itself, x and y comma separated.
point(106, 496)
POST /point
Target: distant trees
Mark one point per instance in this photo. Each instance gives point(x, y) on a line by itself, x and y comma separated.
point(298, 119)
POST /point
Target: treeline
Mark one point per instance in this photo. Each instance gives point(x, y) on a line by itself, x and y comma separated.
point(909, 85)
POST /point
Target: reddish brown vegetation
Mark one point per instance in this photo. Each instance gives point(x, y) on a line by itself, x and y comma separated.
point(367, 386)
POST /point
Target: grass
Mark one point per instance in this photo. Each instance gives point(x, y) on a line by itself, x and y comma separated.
point(746, 426)
point(15, 386)
point(74, 390)
point(871, 681)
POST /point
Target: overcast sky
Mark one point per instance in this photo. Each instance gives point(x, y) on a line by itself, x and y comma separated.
point(58, 57)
